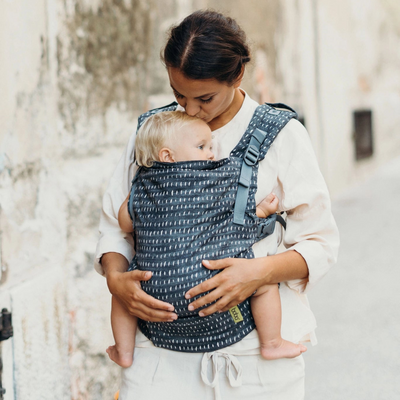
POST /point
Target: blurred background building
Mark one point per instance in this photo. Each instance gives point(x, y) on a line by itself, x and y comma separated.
point(74, 76)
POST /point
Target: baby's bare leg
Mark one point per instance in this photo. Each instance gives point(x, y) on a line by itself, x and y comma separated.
point(268, 206)
point(266, 309)
point(124, 330)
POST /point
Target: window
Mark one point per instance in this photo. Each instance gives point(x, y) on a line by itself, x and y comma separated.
point(363, 135)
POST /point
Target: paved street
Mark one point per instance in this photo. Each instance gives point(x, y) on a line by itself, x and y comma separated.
point(357, 305)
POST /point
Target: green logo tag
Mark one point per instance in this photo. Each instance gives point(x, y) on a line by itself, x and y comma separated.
point(236, 314)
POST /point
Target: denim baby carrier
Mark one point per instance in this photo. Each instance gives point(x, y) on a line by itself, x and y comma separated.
point(186, 212)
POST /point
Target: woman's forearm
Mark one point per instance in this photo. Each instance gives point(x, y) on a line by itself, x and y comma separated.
point(282, 267)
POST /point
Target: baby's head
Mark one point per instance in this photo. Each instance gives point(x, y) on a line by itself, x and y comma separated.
point(173, 136)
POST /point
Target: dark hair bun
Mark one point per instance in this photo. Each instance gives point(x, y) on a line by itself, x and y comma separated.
point(207, 45)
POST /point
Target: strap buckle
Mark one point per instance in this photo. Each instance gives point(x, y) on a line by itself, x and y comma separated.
point(251, 155)
point(266, 227)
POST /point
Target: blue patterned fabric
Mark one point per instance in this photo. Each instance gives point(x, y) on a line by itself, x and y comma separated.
point(183, 214)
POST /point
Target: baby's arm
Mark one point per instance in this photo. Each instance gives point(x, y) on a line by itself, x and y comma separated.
point(268, 206)
point(124, 218)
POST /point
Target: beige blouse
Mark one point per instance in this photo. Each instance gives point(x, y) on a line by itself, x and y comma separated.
point(291, 171)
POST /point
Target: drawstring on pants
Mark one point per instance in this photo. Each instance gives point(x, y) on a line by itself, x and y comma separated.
point(231, 363)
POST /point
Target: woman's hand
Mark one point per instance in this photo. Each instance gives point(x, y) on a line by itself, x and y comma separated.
point(239, 279)
point(125, 286)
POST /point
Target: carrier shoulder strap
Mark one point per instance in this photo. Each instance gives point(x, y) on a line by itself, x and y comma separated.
point(170, 107)
point(271, 126)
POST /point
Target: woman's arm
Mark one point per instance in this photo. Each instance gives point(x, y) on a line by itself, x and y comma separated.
point(311, 236)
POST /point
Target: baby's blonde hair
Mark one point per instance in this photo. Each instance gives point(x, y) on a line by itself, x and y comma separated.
point(157, 131)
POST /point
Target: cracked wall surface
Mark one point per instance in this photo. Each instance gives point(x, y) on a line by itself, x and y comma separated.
point(75, 74)
point(72, 83)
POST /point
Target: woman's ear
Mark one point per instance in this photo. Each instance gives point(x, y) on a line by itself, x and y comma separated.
point(239, 79)
point(166, 155)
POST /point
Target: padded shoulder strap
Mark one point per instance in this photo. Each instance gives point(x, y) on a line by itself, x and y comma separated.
point(281, 105)
point(250, 159)
point(269, 123)
point(170, 107)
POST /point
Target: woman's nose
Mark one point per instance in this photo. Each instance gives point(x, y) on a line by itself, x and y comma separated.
point(192, 109)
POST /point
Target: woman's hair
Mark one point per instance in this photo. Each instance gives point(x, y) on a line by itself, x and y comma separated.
point(157, 132)
point(207, 45)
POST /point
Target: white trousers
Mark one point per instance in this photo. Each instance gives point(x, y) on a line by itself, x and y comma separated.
point(158, 373)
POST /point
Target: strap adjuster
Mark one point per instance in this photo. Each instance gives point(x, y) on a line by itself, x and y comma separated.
point(251, 155)
point(267, 227)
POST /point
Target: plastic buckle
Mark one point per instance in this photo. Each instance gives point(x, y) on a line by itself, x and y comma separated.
point(266, 228)
point(251, 155)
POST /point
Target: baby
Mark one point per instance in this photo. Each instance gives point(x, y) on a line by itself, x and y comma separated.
point(172, 137)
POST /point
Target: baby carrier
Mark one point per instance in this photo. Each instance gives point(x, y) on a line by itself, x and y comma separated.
point(186, 212)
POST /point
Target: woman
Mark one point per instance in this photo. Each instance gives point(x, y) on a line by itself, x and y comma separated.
point(205, 58)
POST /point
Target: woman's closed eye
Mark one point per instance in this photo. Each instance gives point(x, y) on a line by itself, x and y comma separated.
point(206, 101)
point(178, 95)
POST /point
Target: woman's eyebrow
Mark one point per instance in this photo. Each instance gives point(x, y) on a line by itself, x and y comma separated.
point(198, 97)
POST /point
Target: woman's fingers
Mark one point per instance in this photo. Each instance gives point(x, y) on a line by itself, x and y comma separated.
point(203, 287)
point(148, 308)
point(218, 264)
point(219, 306)
point(228, 288)
point(207, 299)
point(139, 303)
point(213, 282)
point(142, 297)
point(150, 314)
point(137, 275)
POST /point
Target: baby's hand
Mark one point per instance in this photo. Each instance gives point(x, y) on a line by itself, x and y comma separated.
point(268, 206)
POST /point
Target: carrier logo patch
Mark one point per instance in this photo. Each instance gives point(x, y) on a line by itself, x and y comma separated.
point(236, 314)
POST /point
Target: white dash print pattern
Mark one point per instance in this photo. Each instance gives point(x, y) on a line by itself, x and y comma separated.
point(183, 214)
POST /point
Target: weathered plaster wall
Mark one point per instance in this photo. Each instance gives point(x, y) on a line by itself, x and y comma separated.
point(342, 56)
point(74, 76)
point(327, 59)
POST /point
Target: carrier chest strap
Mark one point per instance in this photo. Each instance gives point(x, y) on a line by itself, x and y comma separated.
point(249, 160)
point(267, 226)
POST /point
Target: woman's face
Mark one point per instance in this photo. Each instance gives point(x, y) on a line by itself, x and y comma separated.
point(207, 99)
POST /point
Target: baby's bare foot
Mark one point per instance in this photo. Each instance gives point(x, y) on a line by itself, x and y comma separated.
point(281, 349)
point(123, 359)
point(268, 206)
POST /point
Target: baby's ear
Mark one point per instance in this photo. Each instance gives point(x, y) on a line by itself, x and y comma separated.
point(166, 155)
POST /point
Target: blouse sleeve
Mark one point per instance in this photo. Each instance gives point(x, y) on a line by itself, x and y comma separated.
point(311, 228)
point(112, 238)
